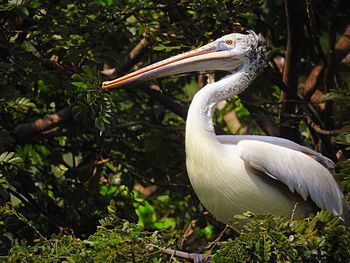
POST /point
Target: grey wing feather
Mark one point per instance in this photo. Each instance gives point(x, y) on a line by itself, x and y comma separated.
point(326, 162)
point(297, 170)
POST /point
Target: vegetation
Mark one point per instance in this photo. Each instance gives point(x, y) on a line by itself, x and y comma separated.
point(115, 240)
point(95, 176)
point(322, 238)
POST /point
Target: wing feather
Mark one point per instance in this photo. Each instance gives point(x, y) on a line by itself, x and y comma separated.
point(299, 171)
point(328, 163)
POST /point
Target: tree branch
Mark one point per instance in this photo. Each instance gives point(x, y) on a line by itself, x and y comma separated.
point(313, 30)
point(150, 125)
point(319, 130)
point(57, 66)
point(61, 116)
point(133, 57)
point(196, 258)
point(311, 89)
point(277, 80)
point(342, 47)
point(135, 54)
point(290, 71)
point(268, 127)
point(39, 125)
point(167, 102)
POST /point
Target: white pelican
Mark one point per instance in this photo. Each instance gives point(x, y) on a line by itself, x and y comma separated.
point(232, 174)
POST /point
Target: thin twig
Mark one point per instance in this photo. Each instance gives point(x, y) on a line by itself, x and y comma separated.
point(184, 255)
point(211, 245)
point(147, 124)
point(313, 31)
point(57, 66)
point(35, 208)
point(307, 119)
point(22, 217)
point(319, 130)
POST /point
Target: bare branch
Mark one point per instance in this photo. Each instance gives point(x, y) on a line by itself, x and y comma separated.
point(150, 125)
point(197, 258)
point(212, 244)
point(57, 66)
point(39, 125)
point(133, 57)
point(313, 30)
point(319, 130)
point(342, 47)
point(167, 102)
point(264, 123)
point(312, 83)
point(290, 71)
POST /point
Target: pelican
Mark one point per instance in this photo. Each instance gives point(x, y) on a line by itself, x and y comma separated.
point(232, 174)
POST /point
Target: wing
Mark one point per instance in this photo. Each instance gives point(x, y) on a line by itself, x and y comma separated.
point(229, 139)
point(299, 171)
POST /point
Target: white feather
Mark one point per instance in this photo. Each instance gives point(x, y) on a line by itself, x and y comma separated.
point(234, 139)
point(297, 170)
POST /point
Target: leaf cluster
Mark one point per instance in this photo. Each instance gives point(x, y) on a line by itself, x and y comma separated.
point(115, 240)
point(322, 238)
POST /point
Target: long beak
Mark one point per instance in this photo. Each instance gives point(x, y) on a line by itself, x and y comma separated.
point(203, 58)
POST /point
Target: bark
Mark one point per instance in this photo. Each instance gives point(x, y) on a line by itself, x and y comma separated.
point(43, 124)
point(289, 129)
point(135, 55)
point(167, 102)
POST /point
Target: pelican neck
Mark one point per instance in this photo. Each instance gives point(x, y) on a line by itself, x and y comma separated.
point(204, 103)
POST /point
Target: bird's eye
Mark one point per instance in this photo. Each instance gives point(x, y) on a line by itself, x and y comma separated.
point(229, 42)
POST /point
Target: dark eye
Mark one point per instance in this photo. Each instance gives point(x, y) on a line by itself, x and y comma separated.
point(229, 42)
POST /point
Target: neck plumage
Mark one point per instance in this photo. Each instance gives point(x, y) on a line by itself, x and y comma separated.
point(200, 114)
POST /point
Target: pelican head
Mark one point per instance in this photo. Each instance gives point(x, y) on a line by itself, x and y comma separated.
point(227, 53)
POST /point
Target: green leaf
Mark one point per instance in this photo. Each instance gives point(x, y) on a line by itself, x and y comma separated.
point(76, 77)
point(87, 70)
point(81, 85)
point(24, 11)
point(99, 124)
point(332, 96)
point(6, 156)
point(159, 48)
point(16, 160)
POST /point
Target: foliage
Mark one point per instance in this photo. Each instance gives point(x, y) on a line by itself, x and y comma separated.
point(322, 238)
point(68, 149)
point(115, 240)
